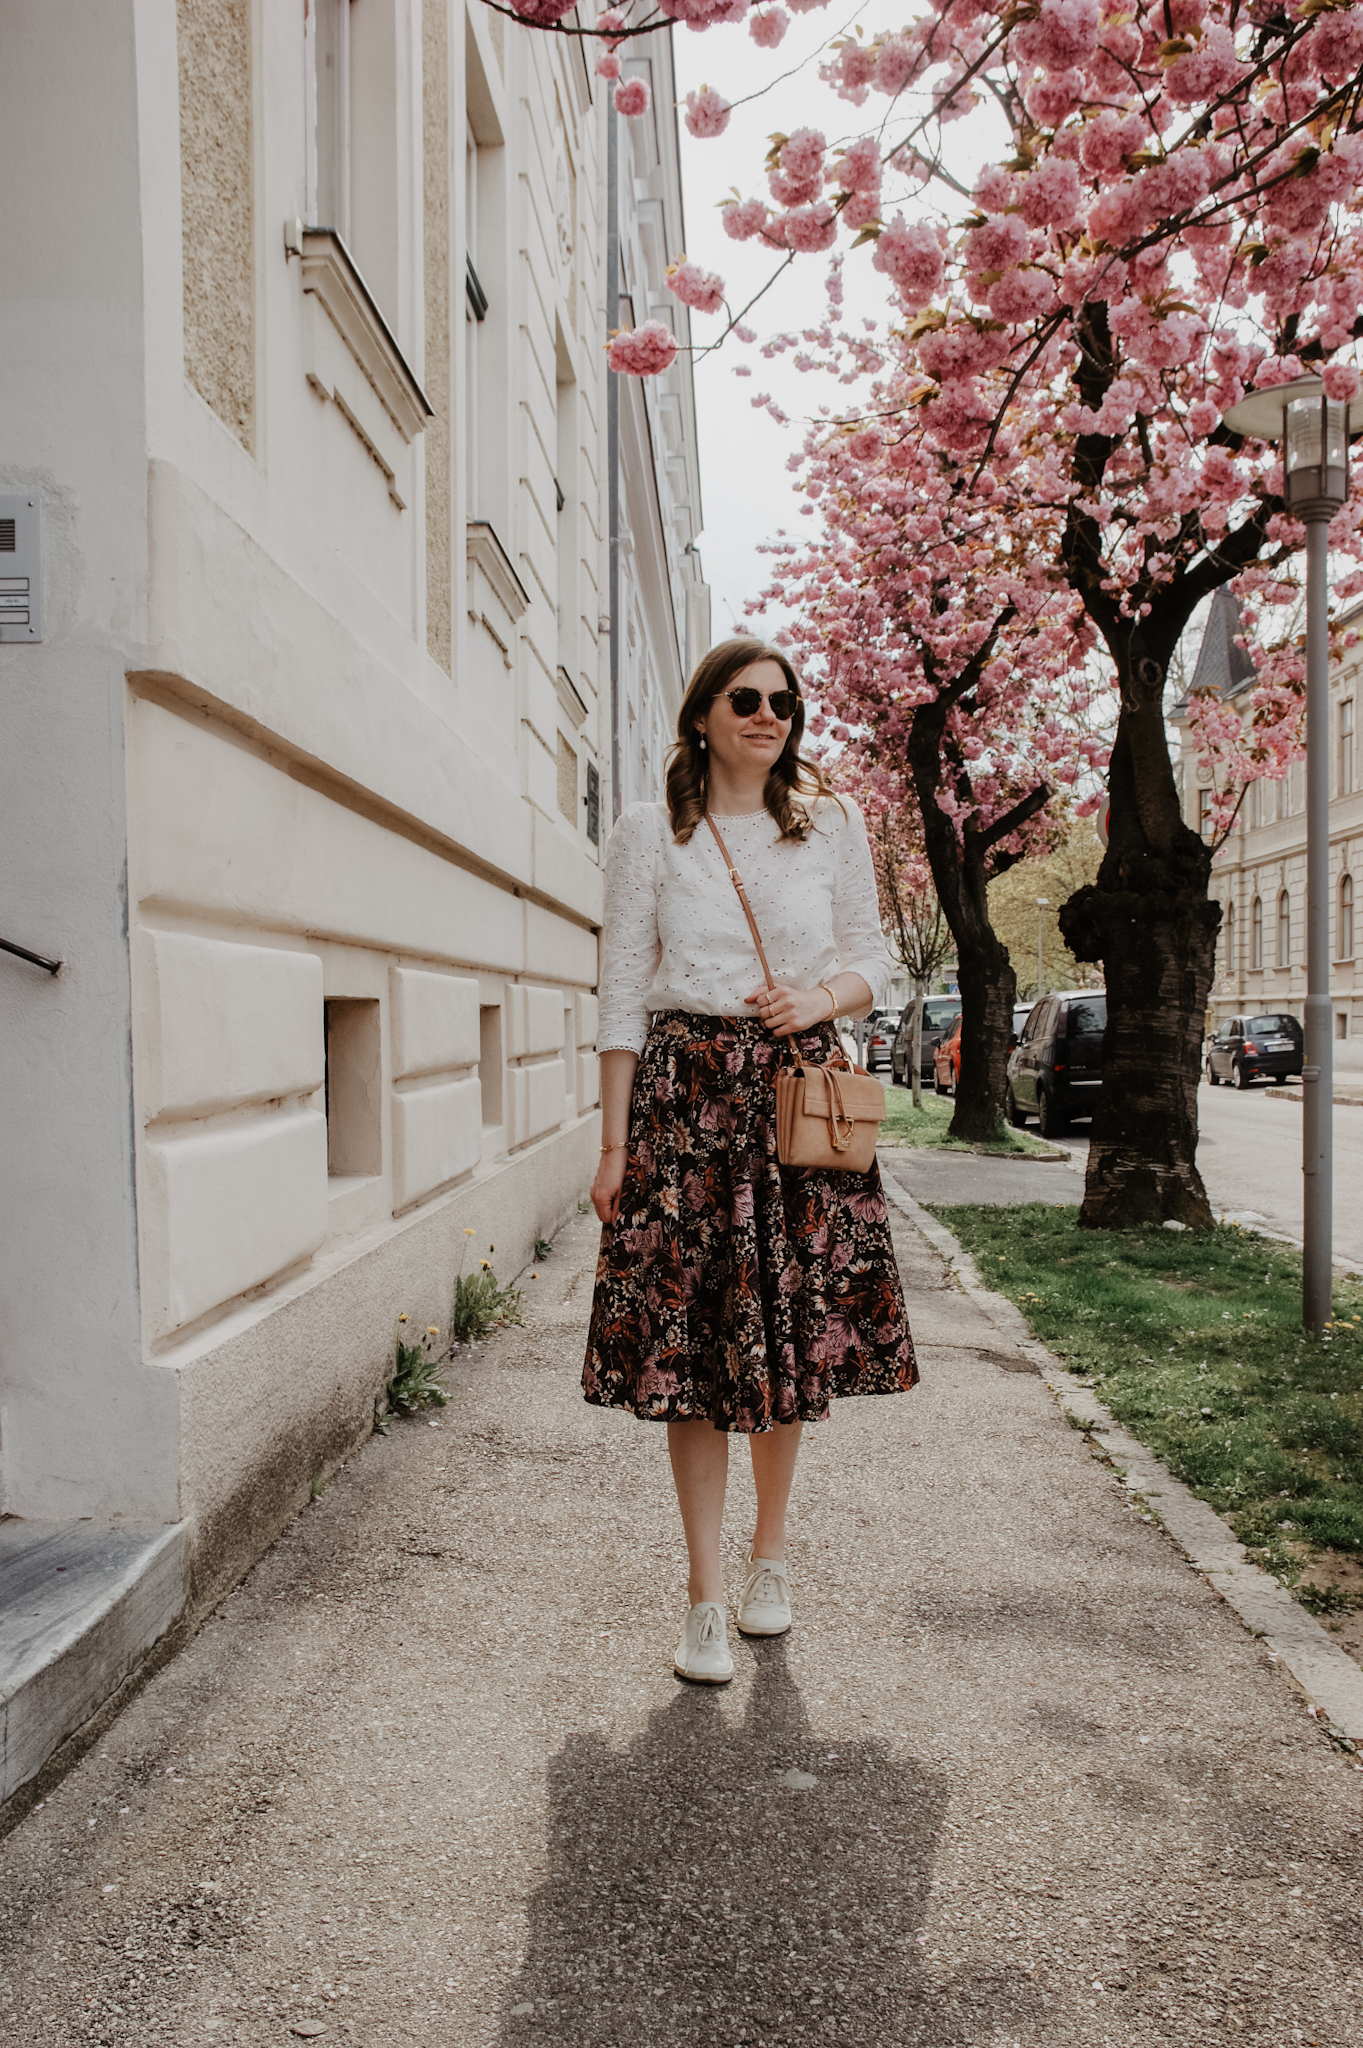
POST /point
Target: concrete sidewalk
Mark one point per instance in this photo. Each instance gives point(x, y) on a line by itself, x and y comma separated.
point(1017, 1777)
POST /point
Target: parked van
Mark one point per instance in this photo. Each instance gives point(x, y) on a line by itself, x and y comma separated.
point(1056, 1068)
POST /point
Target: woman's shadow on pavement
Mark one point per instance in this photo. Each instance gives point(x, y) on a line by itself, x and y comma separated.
point(700, 1895)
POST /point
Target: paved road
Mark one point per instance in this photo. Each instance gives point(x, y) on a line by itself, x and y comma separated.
point(1249, 1151)
point(427, 1776)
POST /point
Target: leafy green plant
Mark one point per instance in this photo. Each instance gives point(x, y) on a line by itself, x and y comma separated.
point(1325, 1599)
point(414, 1384)
point(543, 1247)
point(481, 1303)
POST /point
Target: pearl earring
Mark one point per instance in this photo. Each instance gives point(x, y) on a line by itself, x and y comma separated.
point(702, 743)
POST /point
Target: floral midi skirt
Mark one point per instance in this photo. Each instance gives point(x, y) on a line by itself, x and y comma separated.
point(729, 1286)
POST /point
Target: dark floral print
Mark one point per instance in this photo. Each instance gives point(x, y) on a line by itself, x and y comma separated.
point(730, 1286)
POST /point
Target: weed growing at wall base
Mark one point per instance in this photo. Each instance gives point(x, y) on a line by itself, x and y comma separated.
point(481, 1303)
point(414, 1384)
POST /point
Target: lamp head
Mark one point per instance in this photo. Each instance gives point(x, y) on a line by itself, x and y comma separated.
point(1315, 430)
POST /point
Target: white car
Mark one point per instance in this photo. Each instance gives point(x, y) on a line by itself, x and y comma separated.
point(881, 1027)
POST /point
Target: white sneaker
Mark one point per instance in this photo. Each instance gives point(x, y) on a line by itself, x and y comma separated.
point(703, 1652)
point(764, 1606)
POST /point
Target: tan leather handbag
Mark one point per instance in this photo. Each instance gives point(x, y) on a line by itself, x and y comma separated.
point(828, 1113)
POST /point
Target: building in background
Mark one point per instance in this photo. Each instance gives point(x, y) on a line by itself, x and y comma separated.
point(308, 738)
point(1259, 875)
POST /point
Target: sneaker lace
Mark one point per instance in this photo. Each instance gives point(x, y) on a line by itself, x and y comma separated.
point(708, 1629)
point(766, 1585)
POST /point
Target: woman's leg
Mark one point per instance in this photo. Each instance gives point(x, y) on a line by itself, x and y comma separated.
point(700, 1467)
point(774, 1452)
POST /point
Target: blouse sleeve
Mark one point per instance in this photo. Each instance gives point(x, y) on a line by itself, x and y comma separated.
point(857, 932)
point(629, 934)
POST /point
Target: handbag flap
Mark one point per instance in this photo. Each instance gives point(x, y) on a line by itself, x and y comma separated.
point(863, 1099)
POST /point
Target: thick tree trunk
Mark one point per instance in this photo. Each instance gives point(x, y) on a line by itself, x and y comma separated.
point(988, 983)
point(988, 992)
point(1149, 920)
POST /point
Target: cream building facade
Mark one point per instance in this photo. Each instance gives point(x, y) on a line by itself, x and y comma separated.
point(1259, 875)
point(309, 729)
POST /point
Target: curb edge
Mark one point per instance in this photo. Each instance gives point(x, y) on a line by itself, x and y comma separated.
point(1328, 1675)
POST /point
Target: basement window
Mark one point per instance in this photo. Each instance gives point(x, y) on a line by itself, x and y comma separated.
point(354, 1091)
point(490, 1063)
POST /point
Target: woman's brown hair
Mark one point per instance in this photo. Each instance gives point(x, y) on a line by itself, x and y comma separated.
point(793, 777)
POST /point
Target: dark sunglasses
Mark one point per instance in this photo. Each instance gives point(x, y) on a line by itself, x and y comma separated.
point(747, 701)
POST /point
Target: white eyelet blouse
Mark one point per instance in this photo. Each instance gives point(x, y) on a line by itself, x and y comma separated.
point(675, 937)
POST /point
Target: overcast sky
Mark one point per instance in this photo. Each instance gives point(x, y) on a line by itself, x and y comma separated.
point(747, 493)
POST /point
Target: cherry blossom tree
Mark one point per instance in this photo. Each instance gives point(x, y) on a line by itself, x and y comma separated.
point(1174, 220)
point(951, 660)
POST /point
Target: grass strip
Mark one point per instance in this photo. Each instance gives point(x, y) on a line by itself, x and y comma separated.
point(905, 1125)
point(1195, 1343)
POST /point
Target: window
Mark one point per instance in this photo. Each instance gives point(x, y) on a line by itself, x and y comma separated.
point(1257, 931)
point(593, 801)
point(354, 1092)
point(1344, 930)
point(490, 1062)
point(475, 313)
point(567, 490)
point(487, 452)
point(1088, 1019)
point(1229, 930)
point(1284, 929)
point(329, 115)
point(352, 135)
point(1346, 749)
point(1204, 813)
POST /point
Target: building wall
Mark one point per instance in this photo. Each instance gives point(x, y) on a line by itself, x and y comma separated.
point(1265, 858)
point(659, 457)
point(325, 670)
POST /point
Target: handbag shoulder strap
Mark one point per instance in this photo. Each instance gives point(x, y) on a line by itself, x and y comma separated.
point(737, 881)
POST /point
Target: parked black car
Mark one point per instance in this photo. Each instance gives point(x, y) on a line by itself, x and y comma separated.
point(1056, 1067)
point(1266, 1048)
point(881, 1026)
point(939, 1014)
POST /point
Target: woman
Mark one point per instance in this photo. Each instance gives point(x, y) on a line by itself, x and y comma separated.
point(733, 1293)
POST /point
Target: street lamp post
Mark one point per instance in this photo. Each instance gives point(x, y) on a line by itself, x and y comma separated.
point(1041, 904)
point(1315, 435)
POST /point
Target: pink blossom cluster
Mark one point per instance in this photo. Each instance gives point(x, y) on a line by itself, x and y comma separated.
point(633, 97)
point(701, 290)
point(797, 175)
point(707, 113)
point(767, 26)
point(643, 351)
point(543, 13)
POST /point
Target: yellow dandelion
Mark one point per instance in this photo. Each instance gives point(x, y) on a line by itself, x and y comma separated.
point(486, 1265)
point(403, 1317)
point(431, 1330)
point(469, 1230)
point(534, 1276)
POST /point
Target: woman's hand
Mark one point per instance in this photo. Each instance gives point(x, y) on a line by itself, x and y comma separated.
point(610, 1178)
point(784, 1009)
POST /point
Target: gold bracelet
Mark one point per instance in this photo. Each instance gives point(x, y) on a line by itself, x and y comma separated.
point(832, 999)
point(623, 1146)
